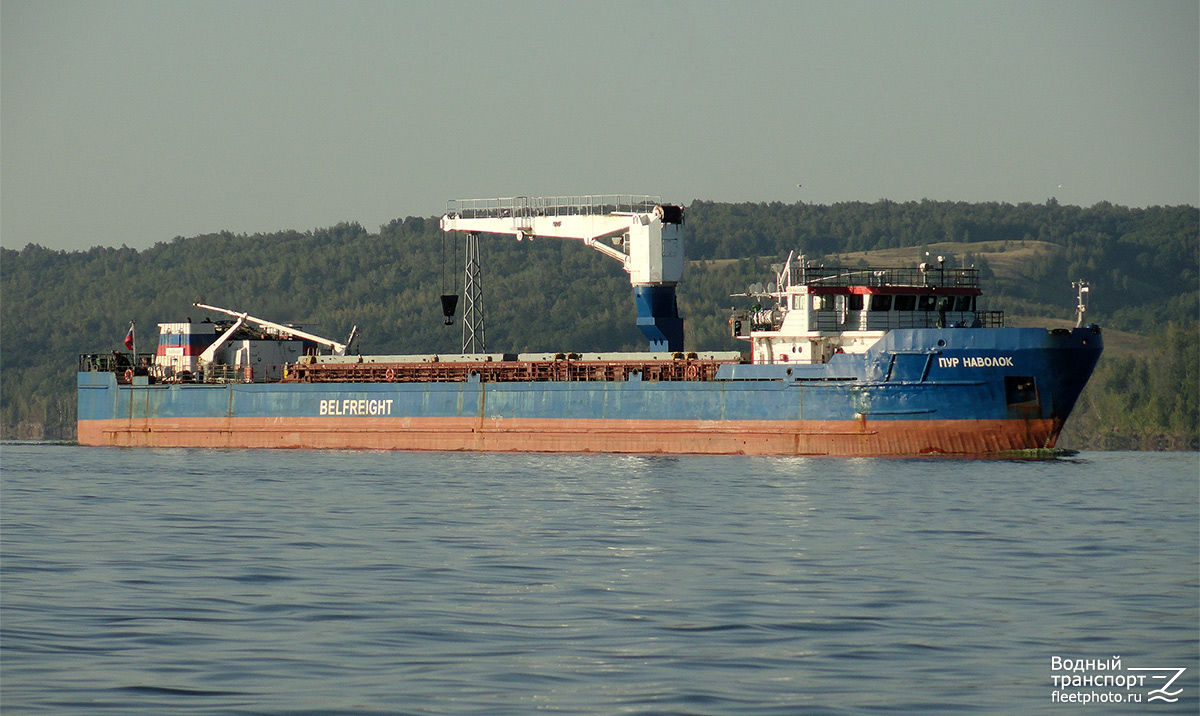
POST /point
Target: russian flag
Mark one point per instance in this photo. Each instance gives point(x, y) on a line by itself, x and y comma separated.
point(129, 338)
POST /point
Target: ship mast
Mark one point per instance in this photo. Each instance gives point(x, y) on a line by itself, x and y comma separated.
point(473, 338)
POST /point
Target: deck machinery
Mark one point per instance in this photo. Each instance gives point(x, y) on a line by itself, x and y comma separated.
point(641, 232)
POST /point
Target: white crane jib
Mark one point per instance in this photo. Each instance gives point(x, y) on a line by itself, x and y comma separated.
point(641, 232)
point(650, 233)
point(207, 356)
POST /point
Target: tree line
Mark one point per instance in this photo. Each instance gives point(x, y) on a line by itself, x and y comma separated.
point(549, 295)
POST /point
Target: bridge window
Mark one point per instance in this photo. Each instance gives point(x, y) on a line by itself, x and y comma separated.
point(854, 302)
point(927, 303)
point(964, 303)
point(905, 303)
point(881, 302)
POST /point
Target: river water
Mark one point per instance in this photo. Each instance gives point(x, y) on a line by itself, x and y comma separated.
point(302, 583)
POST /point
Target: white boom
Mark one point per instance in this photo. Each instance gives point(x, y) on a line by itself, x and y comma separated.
point(649, 233)
point(337, 348)
point(210, 353)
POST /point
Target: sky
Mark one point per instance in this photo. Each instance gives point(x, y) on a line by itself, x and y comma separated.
point(129, 122)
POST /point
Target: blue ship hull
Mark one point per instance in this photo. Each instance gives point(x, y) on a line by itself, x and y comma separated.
point(919, 391)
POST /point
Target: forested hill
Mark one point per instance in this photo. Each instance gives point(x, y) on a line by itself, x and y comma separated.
point(550, 295)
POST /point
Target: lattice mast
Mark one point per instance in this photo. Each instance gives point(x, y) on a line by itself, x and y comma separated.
point(473, 338)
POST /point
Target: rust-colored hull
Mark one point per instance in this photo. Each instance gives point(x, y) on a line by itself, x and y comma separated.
point(747, 437)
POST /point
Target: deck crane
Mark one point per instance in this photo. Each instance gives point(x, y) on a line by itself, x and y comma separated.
point(641, 232)
point(207, 356)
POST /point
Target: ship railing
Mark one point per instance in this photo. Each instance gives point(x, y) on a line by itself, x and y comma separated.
point(686, 369)
point(265, 373)
point(227, 374)
point(529, 206)
point(880, 277)
point(834, 321)
point(115, 362)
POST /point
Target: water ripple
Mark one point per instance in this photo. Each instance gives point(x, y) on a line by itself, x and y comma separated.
point(320, 583)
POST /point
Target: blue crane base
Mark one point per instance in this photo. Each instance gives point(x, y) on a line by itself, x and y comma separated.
point(658, 317)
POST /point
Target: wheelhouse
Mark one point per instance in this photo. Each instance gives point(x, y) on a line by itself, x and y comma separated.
point(815, 312)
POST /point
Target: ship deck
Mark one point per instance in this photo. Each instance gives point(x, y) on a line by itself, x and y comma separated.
point(508, 371)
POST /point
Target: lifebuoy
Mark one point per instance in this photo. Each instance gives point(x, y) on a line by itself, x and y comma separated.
point(693, 372)
point(129, 376)
point(390, 374)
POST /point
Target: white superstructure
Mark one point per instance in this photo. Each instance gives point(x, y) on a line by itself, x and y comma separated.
point(814, 312)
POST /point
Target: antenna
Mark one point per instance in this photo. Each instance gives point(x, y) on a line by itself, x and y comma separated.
point(1081, 301)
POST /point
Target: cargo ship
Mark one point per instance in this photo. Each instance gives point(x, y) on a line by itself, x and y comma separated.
point(881, 361)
